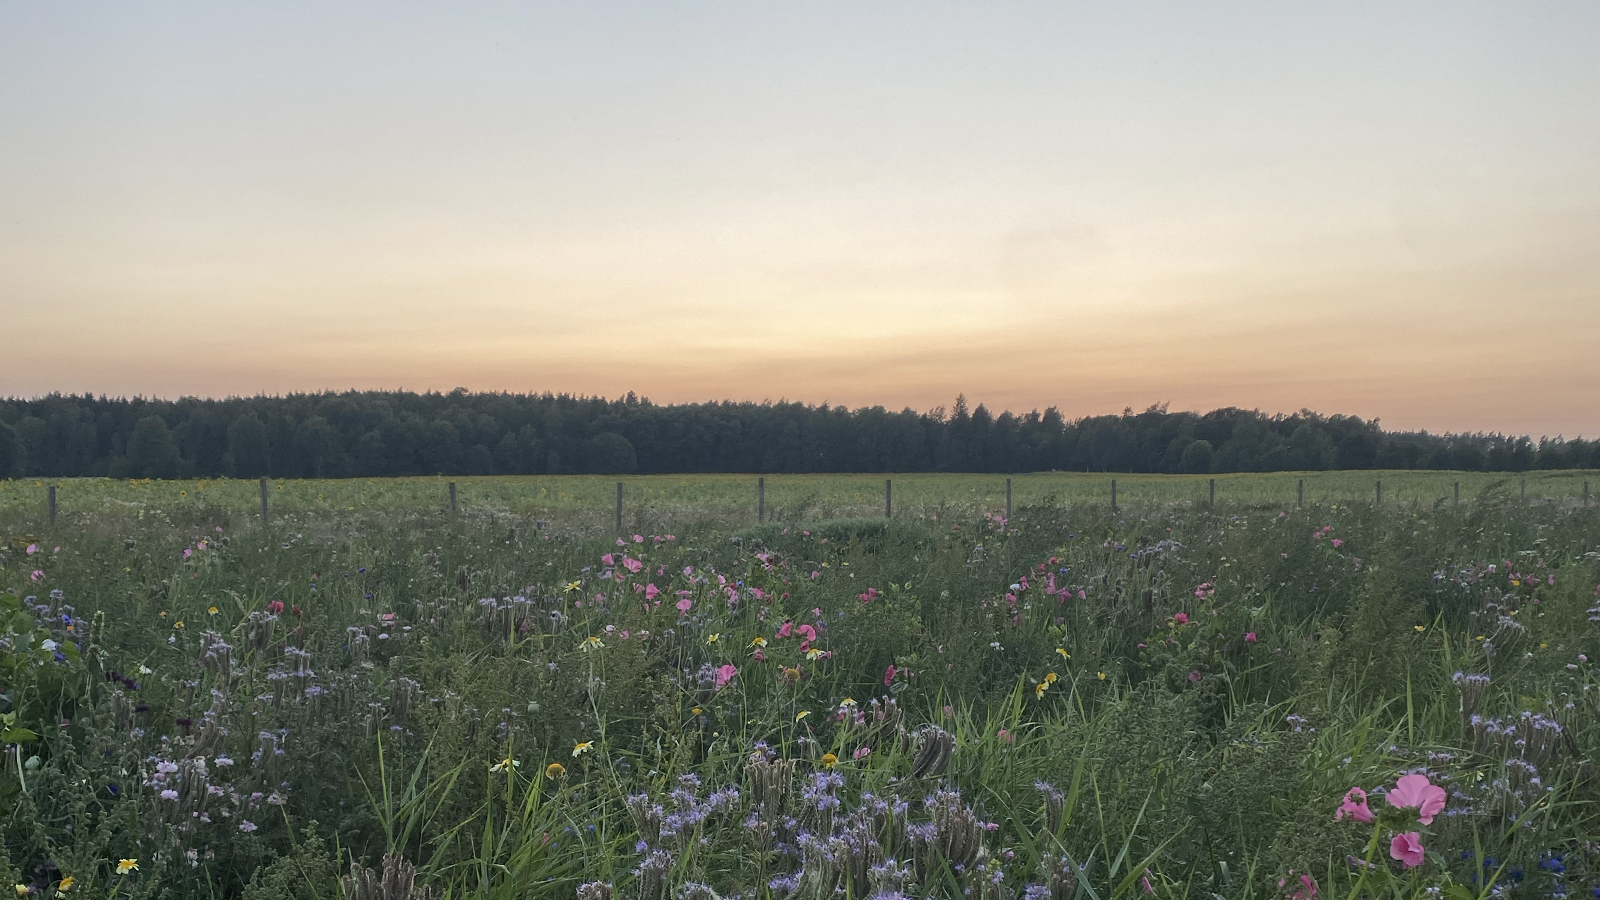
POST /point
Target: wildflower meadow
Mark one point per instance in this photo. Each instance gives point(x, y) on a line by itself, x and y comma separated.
point(1247, 700)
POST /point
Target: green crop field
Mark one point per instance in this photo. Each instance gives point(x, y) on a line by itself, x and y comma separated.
point(666, 500)
point(366, 697)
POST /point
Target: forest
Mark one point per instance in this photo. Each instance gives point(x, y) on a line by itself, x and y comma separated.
point(386, 433)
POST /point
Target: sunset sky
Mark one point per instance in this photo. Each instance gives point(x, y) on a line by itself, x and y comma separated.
point(1390, 210)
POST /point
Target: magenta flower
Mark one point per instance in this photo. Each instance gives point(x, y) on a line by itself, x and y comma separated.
point(785, 629)
point(36, 575)
point(1416, 792)
point(32, 549)
point(650, 591)
point(631, 564)
point(888, 675)
point(1249, 637)
point(861, 753)
point(1338, 542)
point(685, 605)
point(808, 633)
point(1407, 848)
point(1181, 618)
point(275, 607)
point(608, 560)
point(1194, 676)
point(1354, 806)
point(725, 674)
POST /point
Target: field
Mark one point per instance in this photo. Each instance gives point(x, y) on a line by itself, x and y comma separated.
point(1174, 699)
point(731, 499)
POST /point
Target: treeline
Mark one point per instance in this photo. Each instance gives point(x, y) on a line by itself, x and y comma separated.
point(378, 433)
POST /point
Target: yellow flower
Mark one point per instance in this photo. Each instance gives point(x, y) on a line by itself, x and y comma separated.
point(581, 748)
point(505, 765)
point(712, 639)
point(759, 641)
point(1050, 677)
point(23, 890)
point(163, 614)
point(591, 643)
point(1420, 628)
point(573, 585)
point(801, 714)
point(180, 494)
point(1543, 645)
point(127, 865)
point(813, 654)
point(829, 760)
point(211, 610)
point(555, 770)
point(1102, 676)
point(1039, 689)
point(1478, 638)
point(178, 624)
point(846, 703)
point(1064, 653)
point(65, 885)
point(695, 711)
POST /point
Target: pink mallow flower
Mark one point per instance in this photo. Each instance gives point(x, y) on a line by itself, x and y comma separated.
point(1354, 806)
point(1416, 792)
point(1181, 618)
point(888, 674)
point(725, 674)
point(1338, 542)
point(1407, 848)
point(650, 591)
point(685, 605)
point(1249, 637)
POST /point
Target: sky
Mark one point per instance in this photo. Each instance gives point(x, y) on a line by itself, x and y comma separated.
point(1389, 210)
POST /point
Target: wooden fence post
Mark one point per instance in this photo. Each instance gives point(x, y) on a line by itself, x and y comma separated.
point(619, 507)
point(761, 499)
point(1380, 493)
point(1300, 494)
point(452, 498)
point(1213, 500)
point(1008, 500)
point(888, 499)
point(263, 498)
point(1586, 492)
point(1113, 495)
point(51, 502)
point(1458, 495)
point(1524, 494)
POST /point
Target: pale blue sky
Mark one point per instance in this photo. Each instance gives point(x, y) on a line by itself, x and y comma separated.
point(1383, 209)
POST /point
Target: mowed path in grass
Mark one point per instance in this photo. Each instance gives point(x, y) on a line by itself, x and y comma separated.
point(660, 500)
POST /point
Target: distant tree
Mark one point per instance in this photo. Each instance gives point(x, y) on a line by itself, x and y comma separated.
point(611, 454)
point(247, 447)
point(1197, 457)
point(8, 451)
point(1358, 451)
point(152, 451)
point(319, 446)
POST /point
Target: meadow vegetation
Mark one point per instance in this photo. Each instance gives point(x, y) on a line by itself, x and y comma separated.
point(368, 699)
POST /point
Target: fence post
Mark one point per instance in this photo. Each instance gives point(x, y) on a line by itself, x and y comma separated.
point(1008, 500)
point(51, 501)
point(761, 499)
point(1380, 493)
point(452, 498)
point(1213, 500)
point(1458, 495)
point(619, 507)
point(263, 498)
point(1113, 495)
point(1586, 492)
point(1524, 494)
point(1300, 494)
point(888, 499)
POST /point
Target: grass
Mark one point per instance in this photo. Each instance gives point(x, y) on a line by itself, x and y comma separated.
point(1170, 701)
point(664, 499)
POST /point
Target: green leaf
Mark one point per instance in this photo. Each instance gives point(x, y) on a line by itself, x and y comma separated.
point(17, 736)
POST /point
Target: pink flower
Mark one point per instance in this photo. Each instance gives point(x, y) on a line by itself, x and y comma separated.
point(650, 591)
point(1181, 618)
point(808, 633)
point(1338, 542)
point(1354, 806)
point(785, 630)
point(861, 753)
point(188, 552)
point(1407, 848)
point(1194, 676)
point(32, 549)
point(888, 675)
point(638, 539)
point(685, 605)
point(609, 559)
point(36, 575)
point(631, 564)
point(1416, 792)
point(275, 607)
point(1249, 637)
point(725, 674)
point(1005, 736)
